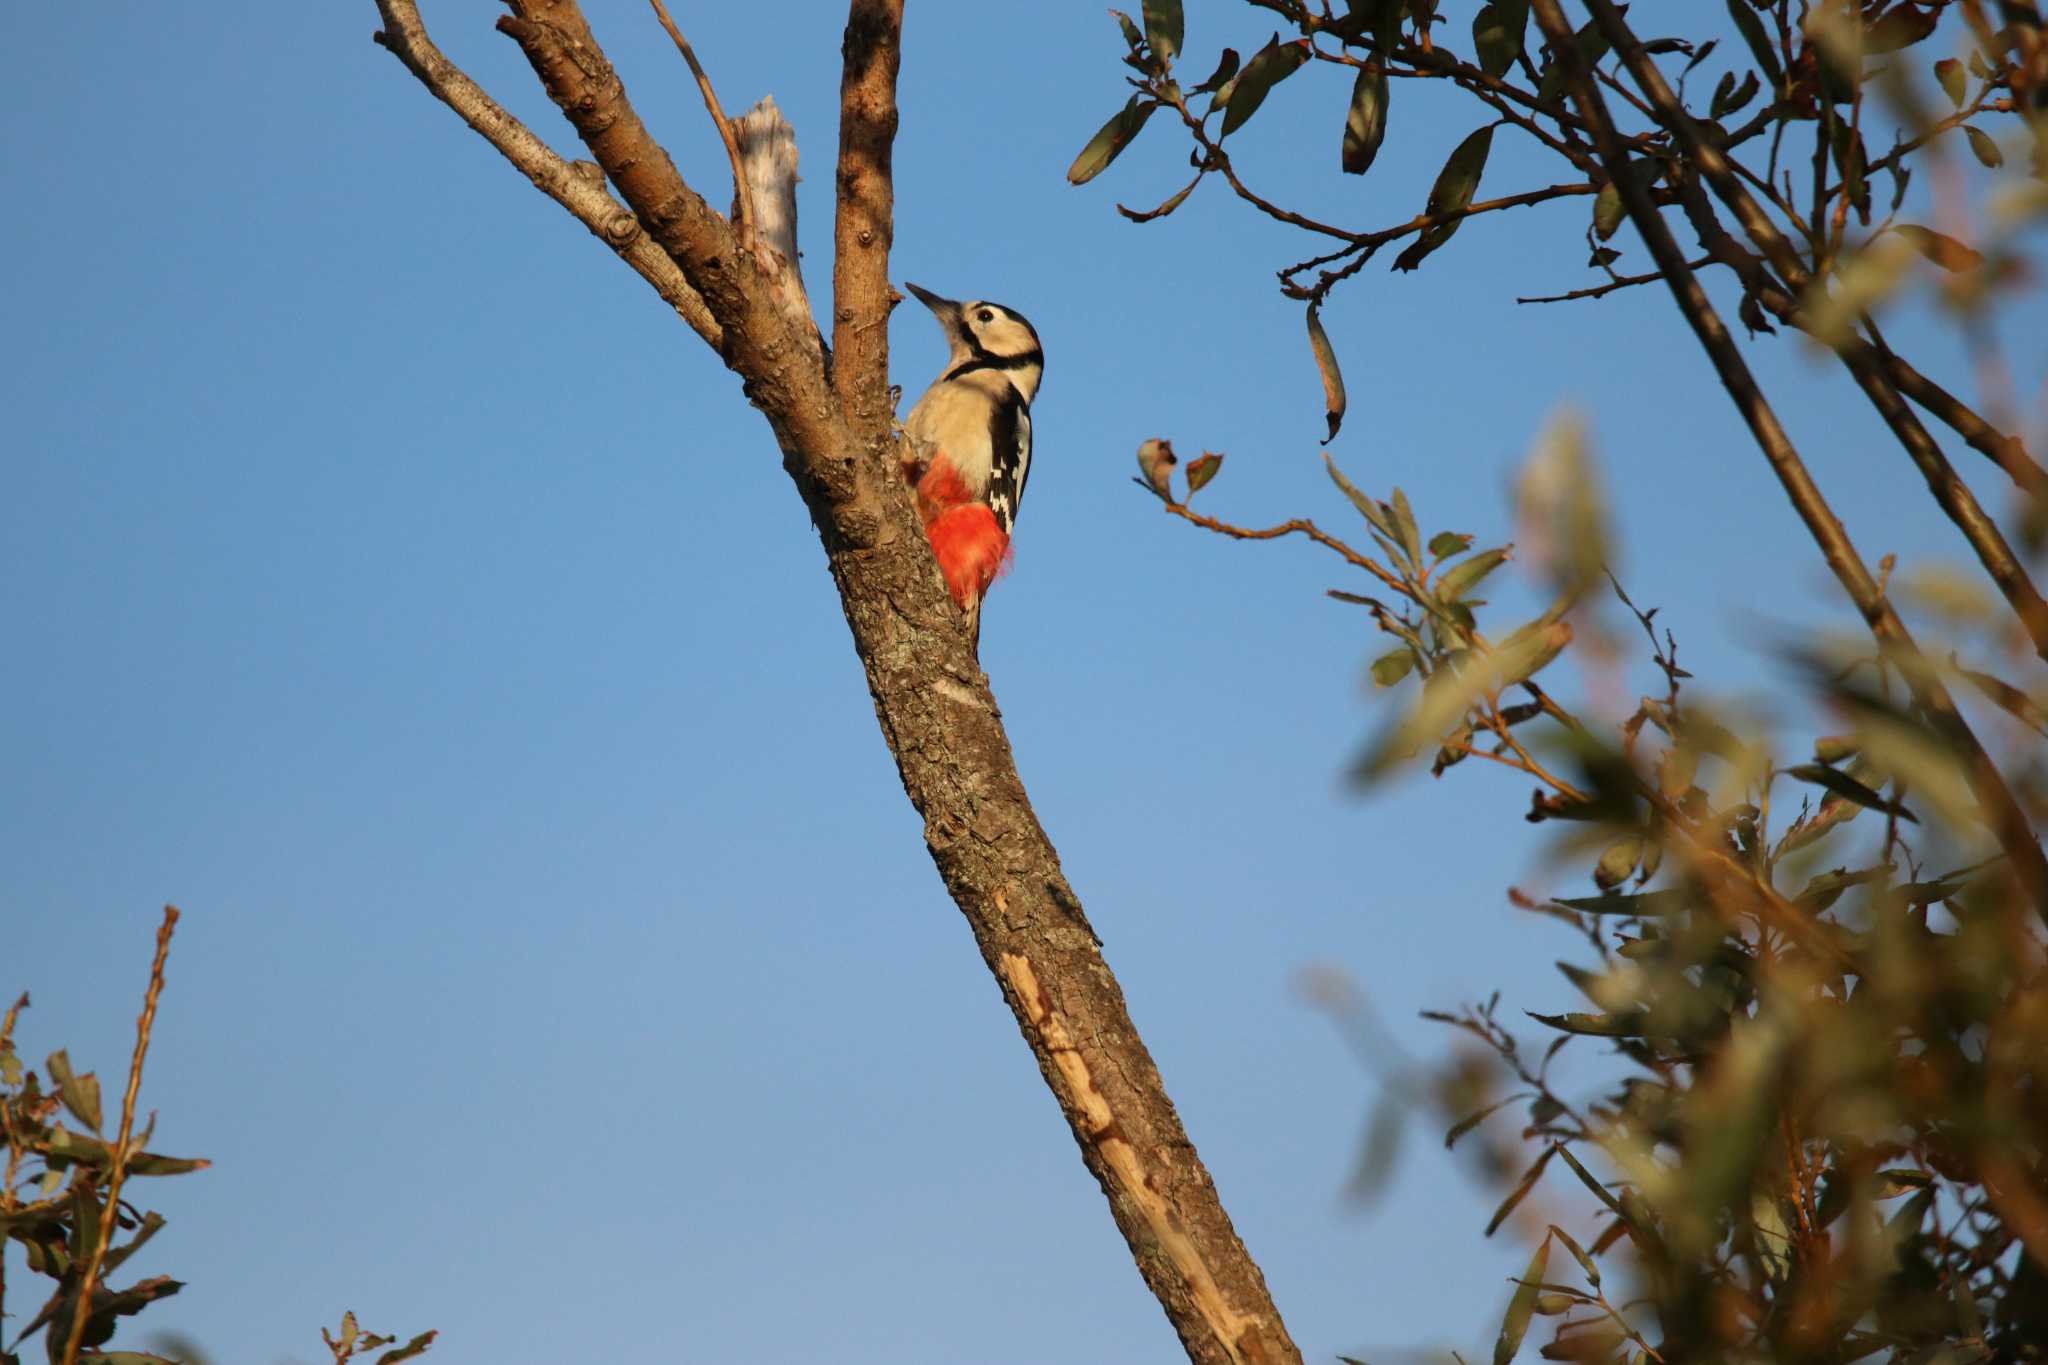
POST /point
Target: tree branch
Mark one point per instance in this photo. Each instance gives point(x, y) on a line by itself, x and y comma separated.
point(742, 195)
point(565, 182)
point(934, 705)
point(864, 225)
point(2002, 812)
point(1950, 493)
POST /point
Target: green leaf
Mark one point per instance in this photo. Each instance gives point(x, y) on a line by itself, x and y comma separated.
point(1519, 1192)
point(1592, 46)
point(1459, 580)
point(1200, 471)
point(1608, 211)
point(1452, 193)
point(1404, 524)
point(1729, 97)
point(1578, 1254)
point(1943, 250)
point(1393, 666)
point(1114, 136)
point(1949, 72)
point(1226, 67)
point(1326, 366)
point(1497, 34)
point(1752, 29)
point(1454, 689)
point(1986, 150)
point(1521, 1307)
point(1163, 26)
point(1371, 510)
point(1269, 66)
point(1448, 543)
point(1642, 905)
point(1849, 789)
point(1365, 126)
point(2008, 698)
point(1619, 1024)
point(416, 1347)
point(81, 1094)
point(1471, 1121)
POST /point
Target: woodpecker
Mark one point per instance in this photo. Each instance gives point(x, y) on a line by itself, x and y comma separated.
point(969, 448)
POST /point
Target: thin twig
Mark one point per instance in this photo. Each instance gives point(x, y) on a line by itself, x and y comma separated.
point(1618, 282)
point(577, 187)
point(143, 1024)
point(1298, 526)
point(743, 198)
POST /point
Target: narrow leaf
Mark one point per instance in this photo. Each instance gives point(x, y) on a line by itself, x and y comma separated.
point(1644, 905)
point(1365, 126)
point(1163, 27)
point(1326, 366)
point(1622, 1024)
point(1370, 509)
point(1986, 150)
point(1848, 788)
point(1404, 522)
point(1497, 34)
point(1521, 1307)
point(81, 1094)
point(1226, 67)
point(1943, 250)
point(1752, 29)
point(1578, 1254)
point(1448, 543)
point(1471, 1121)
point(1451, 194)
point(1269, 66)
point(2010, 699)
point(1460, 579)
point(1519, 1192)
point(1114, 136)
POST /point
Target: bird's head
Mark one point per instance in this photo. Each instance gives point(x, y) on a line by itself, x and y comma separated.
point(987, 336)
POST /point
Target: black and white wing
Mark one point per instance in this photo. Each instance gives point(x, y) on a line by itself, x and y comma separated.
point(1010, 462)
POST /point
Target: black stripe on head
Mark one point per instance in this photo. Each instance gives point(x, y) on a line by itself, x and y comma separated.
point(984, 361)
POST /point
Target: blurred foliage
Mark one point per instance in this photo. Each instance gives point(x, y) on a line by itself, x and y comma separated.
point(55, 1205)
point(1813, 970)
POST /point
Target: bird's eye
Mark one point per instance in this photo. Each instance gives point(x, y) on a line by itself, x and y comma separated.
point(985, 315)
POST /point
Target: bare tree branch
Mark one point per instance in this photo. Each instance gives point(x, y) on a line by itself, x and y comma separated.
point(742, 196)
point(864, 226)
point(563, 181)
point(2007, 821)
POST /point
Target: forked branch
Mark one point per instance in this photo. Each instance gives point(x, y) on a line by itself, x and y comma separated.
point(934, 705)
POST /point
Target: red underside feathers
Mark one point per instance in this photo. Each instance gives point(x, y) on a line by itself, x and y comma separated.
point(970, 547)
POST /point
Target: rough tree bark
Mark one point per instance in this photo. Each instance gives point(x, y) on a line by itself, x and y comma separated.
point(833, 424)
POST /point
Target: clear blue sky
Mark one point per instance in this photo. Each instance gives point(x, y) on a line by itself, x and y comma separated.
point(391, 583)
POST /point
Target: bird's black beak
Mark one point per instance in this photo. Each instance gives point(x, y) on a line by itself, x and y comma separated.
point(946, 310)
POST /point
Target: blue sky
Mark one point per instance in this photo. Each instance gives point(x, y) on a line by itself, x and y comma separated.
point(390, 582)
